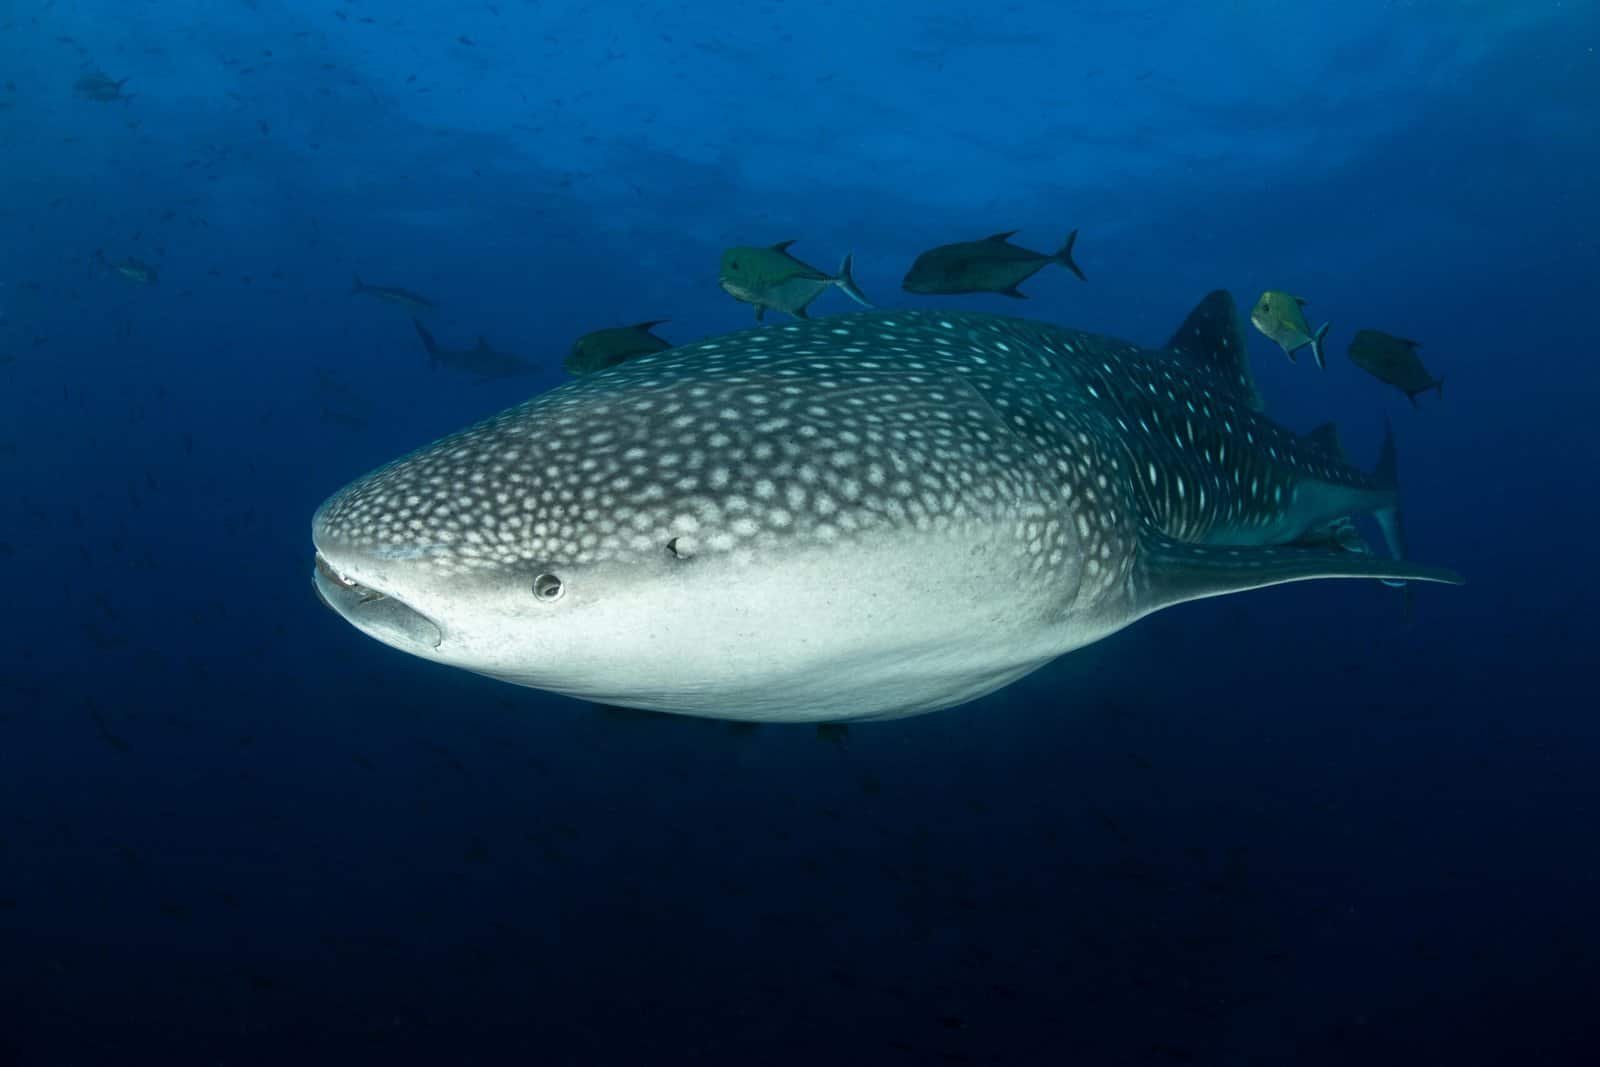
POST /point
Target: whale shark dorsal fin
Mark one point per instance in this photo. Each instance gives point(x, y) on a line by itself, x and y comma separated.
point(1326, 437)
point(1213, 337)
point(1175, 572)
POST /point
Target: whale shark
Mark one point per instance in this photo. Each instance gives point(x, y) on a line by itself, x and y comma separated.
point(867, 516)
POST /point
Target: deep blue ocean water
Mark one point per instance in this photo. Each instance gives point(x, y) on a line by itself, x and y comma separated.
point(1283, 827)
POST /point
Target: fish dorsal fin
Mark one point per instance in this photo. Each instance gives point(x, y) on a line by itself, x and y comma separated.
point(1302, 301)
point(483, 344)
point(1002, 237)
point(783, 246)
point(1326, 437)
point(1174, 572)
point(646, 326)
point(1212, 336)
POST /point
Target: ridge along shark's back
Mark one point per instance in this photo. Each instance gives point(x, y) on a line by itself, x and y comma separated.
point(866, 516)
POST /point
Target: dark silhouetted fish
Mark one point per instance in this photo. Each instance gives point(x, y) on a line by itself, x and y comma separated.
point(132, 268)
point(98, 86)
point(1394, 361)
point(483, 360)
point(392, 294)
point(606, 348)
point(992, 265)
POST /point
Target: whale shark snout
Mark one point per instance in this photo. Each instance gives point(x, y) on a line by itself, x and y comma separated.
point(378, 614)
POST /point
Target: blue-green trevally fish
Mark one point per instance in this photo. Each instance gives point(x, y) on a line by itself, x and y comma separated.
point(1278, 315)
point(868, 516)
point(773, 278)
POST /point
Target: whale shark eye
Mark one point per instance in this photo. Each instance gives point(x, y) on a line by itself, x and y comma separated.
point(547, 587)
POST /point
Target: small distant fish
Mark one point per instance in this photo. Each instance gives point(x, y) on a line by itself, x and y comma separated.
point(132, 268)
point(392, 294)
point(836, 734)
point(1394, 361)
point(483, 360)
point(1278, 315)
point(118, 743)
point(337, 391)
point(772, 278)
point(98, 86)
point(334, 417)
point(606, 348)
point(992, 265)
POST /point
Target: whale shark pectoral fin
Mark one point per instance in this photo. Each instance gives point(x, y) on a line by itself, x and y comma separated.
point(1174, 572)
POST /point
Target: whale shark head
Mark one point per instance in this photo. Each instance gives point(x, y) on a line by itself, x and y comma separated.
point(770, 526)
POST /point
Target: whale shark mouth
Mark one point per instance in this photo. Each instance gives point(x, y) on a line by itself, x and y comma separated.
point(385, 617)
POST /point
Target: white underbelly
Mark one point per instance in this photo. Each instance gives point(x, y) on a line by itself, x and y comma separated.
point(922, 623)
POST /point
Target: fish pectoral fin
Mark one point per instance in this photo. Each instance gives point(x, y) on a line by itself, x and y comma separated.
point(1173, 572)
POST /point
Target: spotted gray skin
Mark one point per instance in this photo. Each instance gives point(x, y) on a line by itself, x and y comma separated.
point(868, 516)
